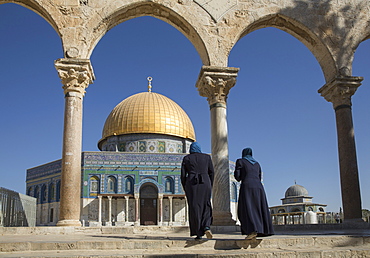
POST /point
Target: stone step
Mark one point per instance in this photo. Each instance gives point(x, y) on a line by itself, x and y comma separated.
point(175, 242)
point(337, 252)
point(162, 243)
point(134, 246)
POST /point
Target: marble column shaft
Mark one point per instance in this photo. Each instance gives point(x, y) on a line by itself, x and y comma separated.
point(160, 209)
point(127, 210)
point(137, 210)
point(215, 83)
point(100, 209)
point(171, 209)
point(76, 75)
point(110, 210)
point(339, 92)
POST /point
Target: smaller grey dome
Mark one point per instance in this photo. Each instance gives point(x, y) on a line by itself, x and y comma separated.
point(296, 190)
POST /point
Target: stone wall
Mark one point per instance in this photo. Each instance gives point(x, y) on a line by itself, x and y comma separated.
point(16, 210)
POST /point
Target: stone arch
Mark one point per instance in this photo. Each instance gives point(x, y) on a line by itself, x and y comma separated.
point(135, 10)
point(148, 190)
point(148, 180)
point(39, 9)
point(302, 33)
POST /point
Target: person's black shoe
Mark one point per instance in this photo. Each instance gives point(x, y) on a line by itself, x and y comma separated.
point(198, 238)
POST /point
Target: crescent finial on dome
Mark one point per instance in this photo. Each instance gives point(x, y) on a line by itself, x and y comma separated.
point(149, 83)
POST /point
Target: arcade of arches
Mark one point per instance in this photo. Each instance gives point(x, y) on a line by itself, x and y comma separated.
point(331, 30)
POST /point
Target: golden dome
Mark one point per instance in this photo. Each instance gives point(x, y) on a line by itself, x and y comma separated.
point(148, 112)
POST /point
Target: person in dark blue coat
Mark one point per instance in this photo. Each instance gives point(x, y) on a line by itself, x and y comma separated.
point(253, 210)
point(197, 180)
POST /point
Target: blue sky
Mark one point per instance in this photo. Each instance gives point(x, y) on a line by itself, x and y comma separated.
point(274, 107)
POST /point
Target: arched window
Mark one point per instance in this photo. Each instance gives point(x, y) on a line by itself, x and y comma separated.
point(112, 184)
point(57, 198)
point(36, 193)
point(29, 191)
point(310, 208)
point(43, 194)
point(129, 185)
point(169, 185)
point(281, 211)
point(321, 209)
point(51, 193)
point(94, 185)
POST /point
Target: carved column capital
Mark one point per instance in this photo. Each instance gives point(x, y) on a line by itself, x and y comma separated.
point(215, 83)
point(340, 90)
point(76, 74)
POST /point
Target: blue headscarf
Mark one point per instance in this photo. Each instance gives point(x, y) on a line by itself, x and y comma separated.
point(247, 154)
point(195, 148)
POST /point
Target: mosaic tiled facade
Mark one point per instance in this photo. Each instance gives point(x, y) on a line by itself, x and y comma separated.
point(120, 175)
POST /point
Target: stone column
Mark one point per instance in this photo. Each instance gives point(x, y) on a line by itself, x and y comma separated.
point(160, 209)
point(100, 210)
point(76, 75)
point(137, 210)
point(339, 92)
point(127, 198)
point(170, 198)
point(109, 222)
point(215, 83)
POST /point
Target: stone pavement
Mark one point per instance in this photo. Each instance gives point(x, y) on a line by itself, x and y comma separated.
point(150, 241)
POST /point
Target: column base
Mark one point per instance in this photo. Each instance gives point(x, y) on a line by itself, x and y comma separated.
point(355, 223)
point(69, 223)
point(95, 224)
point(223, 218)
point(120, 223)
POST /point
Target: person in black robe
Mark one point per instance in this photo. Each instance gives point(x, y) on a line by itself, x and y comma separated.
point(197, 179)
point(253, 210)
